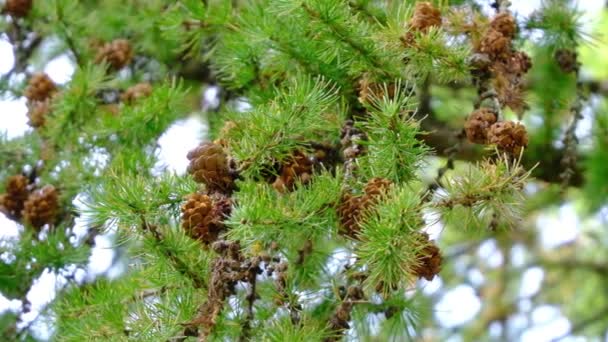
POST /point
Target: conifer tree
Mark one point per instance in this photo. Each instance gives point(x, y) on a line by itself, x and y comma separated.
point(346, 133)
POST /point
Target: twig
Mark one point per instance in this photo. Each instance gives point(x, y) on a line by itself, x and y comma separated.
point(67, 35)
point(197, 281)
point(251, 297)
point(570, 141)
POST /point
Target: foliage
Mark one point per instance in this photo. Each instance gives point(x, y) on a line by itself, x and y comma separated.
point(349, 175)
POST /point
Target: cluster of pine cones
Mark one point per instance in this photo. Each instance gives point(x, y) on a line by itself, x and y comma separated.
point(506, 65)
point(483, 127)
point(35, 207)
point(39, 94)
point(203, 213)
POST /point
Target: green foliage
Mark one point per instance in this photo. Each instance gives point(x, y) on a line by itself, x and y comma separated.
point(300, 68)
point(433, 54)
point(561, 24)
point(125, 198)
point(262, 215)
point(285, 330)
point(487, 196)
point(308, 110)
point(596, 187)
point(402, 313)
point(344, 36)
point(388, 246)
point(25, 259)
point(393, 150)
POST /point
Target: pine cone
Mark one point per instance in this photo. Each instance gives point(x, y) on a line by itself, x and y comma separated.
point(425, 16)
point(37, 112)
point(477, 125)
point(209, 165)
point(429, 259)
point(376, 187)
point(352, 209)
point(41, 207)
point(136, 92)
point(349, 211)
point(203, 215)
point(508, 136)
point(495, 44)
point(17, 8)
point(40, 87)
point(519, 63)
point(297, 167)
point(117, 54)
point(505, 24)
point(11, 203)
point(567, 60)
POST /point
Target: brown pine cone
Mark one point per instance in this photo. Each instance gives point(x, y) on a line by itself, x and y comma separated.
point(425, 16)
point(203, 216)
point(495, 44)
point(209, 165)
point(37, 112)
point(477, 125)
point(349, 211)
point(377, 187)
point(136, 92)
point(297, 167)
point(429, 259)
point(17, 8)
point(352, 209)
point(41, 207)
point(505, 24)
point(40, 87)
point(508, 136)
point(519, 63)
point(11, 202)
point(567, 60)
point(117, 54)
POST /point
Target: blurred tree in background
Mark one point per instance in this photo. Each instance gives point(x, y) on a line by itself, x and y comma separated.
point(366, 162)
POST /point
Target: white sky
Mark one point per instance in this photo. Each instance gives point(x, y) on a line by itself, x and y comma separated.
point(456, 306)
